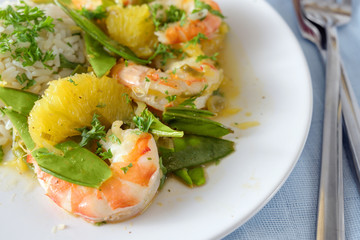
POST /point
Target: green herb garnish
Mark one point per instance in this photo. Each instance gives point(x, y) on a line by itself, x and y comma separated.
point(125, 169)
point(106, 155)
point(199, 5)
point(27, 23)
point(144, 121)
point(196, 40)
point(114, 139)
point(202, 57)
point(96, 132)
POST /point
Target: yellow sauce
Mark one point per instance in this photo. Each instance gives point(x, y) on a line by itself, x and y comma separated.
point(246, 125)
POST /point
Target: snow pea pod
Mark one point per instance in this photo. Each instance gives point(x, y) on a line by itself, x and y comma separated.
point(193, 121)
point(100, 60)
point(194, 176)
point(77, 165)
point(21, 125)
point(20, 101)
point(94, 31)
point(192, 150)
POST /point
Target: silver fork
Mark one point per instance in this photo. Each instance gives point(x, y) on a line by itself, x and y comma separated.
point(330, 14)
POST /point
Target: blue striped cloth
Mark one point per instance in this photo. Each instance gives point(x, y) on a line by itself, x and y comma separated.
point(292, 213)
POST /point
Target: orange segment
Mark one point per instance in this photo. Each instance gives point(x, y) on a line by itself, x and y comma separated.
point(70, 103)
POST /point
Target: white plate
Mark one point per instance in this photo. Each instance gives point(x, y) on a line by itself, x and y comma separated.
point(275, 89)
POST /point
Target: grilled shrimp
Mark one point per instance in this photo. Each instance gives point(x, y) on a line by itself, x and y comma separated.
point(161, 89)
point(201, 22)
point(134, 182)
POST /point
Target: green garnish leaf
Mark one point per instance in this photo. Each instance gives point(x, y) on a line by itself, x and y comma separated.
point(106, 155)
point(77, 165)
point(166, 52)
point(23, 79)
point(202, 57)
point(190, 102)
point(144, 121)
point(199, 5)
point(100, 60)
point(125, 169)
point(114, 139)
point(192, 151)
point(95, 32)
point(96, 132)
point(72, 81)
point(27, 22)
point(196, 40)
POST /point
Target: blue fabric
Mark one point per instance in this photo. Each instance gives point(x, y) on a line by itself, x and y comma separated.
point(292, 213)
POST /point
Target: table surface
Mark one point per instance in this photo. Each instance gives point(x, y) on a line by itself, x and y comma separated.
point(292, 213)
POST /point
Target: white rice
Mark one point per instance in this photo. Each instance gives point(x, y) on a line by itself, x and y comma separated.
point(61, 41)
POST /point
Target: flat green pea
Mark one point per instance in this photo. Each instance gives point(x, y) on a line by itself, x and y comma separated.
point(194, 121)
point(192, 151)
point(21, 125)
point(183, 175)
point(95, 32)
point(197, 176)
point(77, 165)
point(20, 101)
point(100, 60)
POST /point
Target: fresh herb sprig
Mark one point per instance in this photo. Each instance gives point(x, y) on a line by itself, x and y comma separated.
point(27, 22)
point(161, 19)
point(96, 132)
point(144, 121)
point(199, 5)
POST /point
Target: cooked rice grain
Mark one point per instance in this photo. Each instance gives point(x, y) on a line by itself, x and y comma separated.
point(61, 41)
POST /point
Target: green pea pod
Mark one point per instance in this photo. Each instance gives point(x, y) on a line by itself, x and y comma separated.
point(160, 129)
point(95, 32)
point(100, 60)
point(192, 121)
point(1, 154)
point(77, 165)
point(20, 101)
point(197, 176)
point(184, 176)
point(190, 111)
point(192, 151)
point(21, 125)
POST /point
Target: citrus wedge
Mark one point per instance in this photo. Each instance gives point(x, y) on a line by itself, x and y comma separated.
point(70, 103)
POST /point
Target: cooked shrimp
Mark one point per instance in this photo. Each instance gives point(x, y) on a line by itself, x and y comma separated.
point(134, 182)
point(182, 80)
point(202, 22)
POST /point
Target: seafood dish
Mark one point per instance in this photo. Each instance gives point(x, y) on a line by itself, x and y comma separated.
point(103, 100)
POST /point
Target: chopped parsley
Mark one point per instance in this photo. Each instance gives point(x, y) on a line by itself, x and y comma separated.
point(166, 52)
point(202, 57)
point(96, 132)
point(144, 121)
point(199, 5)
point(106, 155)
point(189, 102)
point(126, 63)
point(27, 22)
point(171, 98)
point(127, 97)
point(73, 82)
point(196, 40)
point(24, 80)
point(126, 169)
point(114, 139)
point(98, 13)
point(147, 79)
point(170, 15)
